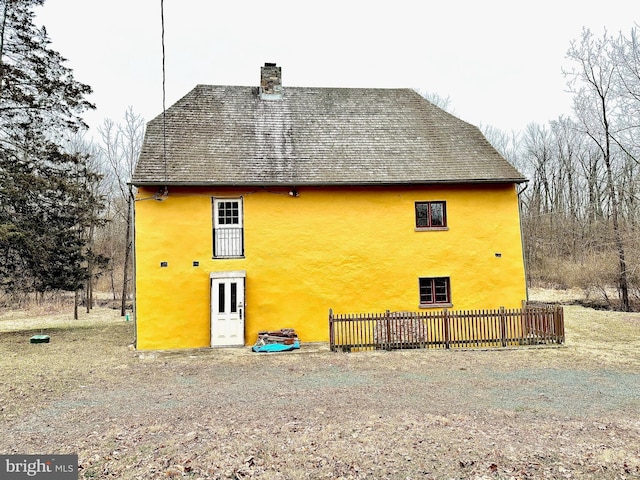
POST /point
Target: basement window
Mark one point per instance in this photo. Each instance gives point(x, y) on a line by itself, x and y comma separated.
point(431, 215)
point(434, 292)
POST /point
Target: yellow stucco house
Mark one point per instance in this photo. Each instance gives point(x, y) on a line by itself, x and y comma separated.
point(260, 208)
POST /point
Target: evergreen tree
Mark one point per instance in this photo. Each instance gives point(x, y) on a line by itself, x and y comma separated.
point(44, 201)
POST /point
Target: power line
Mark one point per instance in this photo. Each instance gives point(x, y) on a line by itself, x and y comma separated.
point(164, 109)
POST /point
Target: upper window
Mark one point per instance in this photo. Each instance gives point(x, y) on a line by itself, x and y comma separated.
point(435, 291)
point(431, 214)
point(228, 212)
point(228, 235)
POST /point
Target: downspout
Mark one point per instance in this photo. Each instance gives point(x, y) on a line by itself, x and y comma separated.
point(524, 257)
point(133, 268)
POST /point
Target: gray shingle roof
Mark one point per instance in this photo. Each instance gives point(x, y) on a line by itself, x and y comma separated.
point(226, 135)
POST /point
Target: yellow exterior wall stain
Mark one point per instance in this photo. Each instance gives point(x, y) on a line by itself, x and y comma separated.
point(353, 249)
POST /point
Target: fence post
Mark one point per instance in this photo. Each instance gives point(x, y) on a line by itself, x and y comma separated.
point(332, 337)
point(503, 327)
point(387, 321)
point(445, 319)
point(559, 324)
point(524, 322)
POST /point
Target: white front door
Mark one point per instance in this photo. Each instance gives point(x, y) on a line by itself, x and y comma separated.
point(227, 308)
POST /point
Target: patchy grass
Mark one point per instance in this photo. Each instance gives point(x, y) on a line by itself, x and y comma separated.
point(567, 412)
point(77, 353)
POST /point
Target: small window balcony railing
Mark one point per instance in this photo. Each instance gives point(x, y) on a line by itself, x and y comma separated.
point(228, 242)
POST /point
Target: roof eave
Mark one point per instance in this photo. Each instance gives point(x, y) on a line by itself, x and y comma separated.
point(289, 183)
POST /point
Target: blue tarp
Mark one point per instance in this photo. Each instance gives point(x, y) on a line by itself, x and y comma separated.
point(275, 347)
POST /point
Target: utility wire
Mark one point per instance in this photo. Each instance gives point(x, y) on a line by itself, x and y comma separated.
point(164, 109)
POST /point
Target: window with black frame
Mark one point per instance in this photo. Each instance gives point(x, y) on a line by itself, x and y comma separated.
point(431, 215)
point(434, 291)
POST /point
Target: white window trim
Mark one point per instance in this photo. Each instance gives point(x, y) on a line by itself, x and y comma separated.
point(217, 227)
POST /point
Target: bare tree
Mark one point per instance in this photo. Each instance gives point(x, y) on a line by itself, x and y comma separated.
point(508, 145)
point(121, 144)
point(626, 55)
point(438, 100)
point(592, 81)
point(580, 209)
point(97, 185)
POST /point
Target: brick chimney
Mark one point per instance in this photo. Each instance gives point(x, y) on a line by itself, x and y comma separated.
point(271, 82)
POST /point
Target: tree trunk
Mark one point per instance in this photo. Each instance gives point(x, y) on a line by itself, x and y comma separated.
point(2, 26)
point(113, 283)
point(90, 266)
point(623, 284)
point(127, 256)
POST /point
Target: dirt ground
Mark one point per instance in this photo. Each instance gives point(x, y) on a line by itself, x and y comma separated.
point(563, 412)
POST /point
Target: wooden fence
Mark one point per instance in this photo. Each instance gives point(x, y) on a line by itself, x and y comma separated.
point(530, 325)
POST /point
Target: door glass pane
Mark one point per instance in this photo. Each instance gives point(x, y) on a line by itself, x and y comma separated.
point(221, 298)
point(234, 297)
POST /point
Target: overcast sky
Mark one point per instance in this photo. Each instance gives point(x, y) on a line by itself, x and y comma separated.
point(499, 61)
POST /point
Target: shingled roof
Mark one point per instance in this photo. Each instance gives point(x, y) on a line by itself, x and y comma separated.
point(229, 135)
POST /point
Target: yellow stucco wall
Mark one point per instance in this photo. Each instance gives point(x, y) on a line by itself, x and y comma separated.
point(351, 249)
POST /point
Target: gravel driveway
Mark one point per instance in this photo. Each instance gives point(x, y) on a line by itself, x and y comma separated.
point(521, 413)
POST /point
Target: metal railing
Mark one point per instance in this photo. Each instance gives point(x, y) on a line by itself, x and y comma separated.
point(228, 242)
